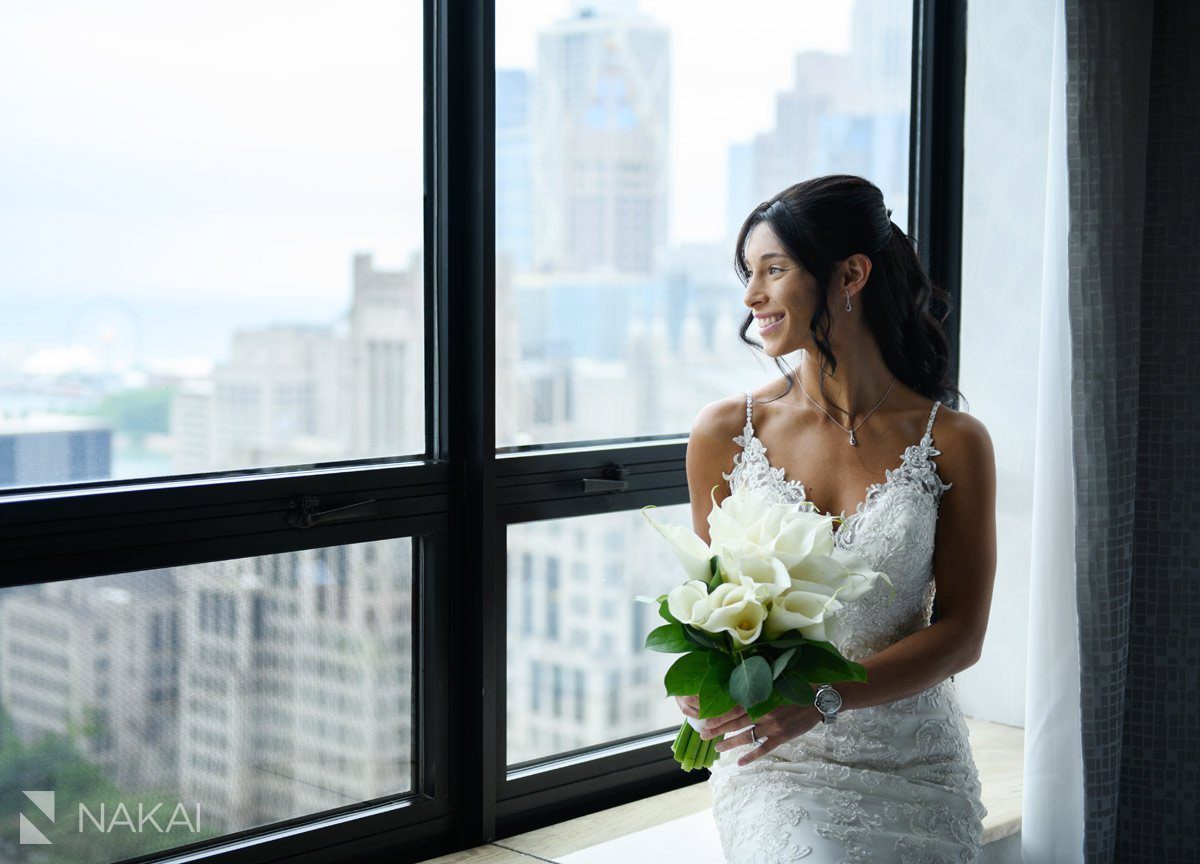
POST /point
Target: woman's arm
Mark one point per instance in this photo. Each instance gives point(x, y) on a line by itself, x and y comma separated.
point(710, 453)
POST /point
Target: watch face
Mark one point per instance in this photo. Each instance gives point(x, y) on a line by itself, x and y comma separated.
point(828, 701)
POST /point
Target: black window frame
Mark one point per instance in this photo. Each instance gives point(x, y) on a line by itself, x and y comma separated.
point(457, 502)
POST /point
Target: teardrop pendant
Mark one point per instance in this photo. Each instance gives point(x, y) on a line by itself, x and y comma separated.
point(853, 442)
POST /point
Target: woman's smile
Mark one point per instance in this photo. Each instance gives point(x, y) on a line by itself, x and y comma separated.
point(763, 330)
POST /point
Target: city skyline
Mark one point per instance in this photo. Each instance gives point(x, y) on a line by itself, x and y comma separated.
point(189, 166)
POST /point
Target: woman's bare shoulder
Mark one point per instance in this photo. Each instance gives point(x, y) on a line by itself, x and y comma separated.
point(720, 421)
point(964, 443)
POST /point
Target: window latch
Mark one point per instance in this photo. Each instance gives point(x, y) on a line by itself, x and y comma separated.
point(303, 512)
point(614, 481)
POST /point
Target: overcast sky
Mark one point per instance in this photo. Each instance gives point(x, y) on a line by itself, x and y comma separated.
point(234, 149)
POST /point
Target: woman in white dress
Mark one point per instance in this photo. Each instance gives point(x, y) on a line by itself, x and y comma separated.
point(890, 776)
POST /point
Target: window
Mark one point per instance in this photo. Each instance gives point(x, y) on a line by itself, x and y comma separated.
point(629, 148)
point(1002, 295)
point(243, 287)
point(653, 569)
point(359, 403)
point(282, 665)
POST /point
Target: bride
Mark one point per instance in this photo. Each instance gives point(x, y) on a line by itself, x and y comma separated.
point(876, 771)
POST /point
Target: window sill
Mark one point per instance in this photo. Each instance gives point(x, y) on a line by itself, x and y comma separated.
point(681, 821)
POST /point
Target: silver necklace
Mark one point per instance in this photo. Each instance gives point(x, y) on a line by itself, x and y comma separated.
point(853, 440)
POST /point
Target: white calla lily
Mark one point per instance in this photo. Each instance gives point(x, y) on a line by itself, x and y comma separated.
point(736, 610)
point(689, 602)
point(810, 612)
point(859, 577)
point(691, 551)
point(744, 519)
point(804, 533)
point(768, 572)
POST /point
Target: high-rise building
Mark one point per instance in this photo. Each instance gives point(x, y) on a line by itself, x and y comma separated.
point(600, 167)
point(276, 401)
point(385, 362)
point(844, 114)
point(100, 656)
point(514, 168)
point(41, 449)
point(296, 682)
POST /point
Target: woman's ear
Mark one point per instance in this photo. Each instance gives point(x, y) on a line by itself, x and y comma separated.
point(856, 271)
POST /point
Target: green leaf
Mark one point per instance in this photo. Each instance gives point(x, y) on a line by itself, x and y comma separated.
point(828, 665)
point(822, 645)
point(686, 673)
point(714, 691)
point(781, 662)
point(696, 637)
point(750, 682)
point(765, 707)
point(794, 687)
point(790, 639)
point(714, 567)
point(665, 611)
point(669, 639)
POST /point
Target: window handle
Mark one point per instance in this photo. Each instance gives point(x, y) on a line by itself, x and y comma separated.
point(308, 515)
point(614, 481)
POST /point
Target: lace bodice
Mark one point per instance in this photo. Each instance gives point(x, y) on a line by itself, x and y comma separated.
point(892, 528)
point(892, 783)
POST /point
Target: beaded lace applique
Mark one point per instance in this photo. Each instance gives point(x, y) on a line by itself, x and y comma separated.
point(894, 782)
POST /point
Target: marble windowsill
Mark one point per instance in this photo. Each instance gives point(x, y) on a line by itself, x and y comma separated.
point(678, 825)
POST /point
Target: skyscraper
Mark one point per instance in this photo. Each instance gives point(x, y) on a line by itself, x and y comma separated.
point(514, 179)
point(844, 114)
point(600, 171)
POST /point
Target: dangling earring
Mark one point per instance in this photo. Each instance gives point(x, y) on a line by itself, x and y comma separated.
point(847, 300)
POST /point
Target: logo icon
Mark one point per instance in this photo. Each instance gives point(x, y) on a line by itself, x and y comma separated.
point(30, 834)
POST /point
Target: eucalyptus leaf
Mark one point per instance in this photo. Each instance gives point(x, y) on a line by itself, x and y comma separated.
point(765, 707)
point(781, 662)
point(669, 639)
point(750, 681)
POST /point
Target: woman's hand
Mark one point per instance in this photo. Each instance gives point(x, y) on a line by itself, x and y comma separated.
point(689, 705)
point(772, 729)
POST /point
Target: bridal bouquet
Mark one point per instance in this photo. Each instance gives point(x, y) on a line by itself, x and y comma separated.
point(757, 615)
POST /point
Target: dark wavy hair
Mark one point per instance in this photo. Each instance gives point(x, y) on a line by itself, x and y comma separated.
point(825, 220)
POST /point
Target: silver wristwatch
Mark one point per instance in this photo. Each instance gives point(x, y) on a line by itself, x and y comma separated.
point(828, 701)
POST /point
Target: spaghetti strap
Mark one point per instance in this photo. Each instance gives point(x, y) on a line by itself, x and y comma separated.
point(928, 439)
point(749, 410)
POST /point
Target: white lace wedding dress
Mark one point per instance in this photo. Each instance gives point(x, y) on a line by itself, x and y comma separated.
point(888, 783)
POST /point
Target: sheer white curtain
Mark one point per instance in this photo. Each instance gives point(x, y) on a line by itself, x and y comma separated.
point(1052, 809)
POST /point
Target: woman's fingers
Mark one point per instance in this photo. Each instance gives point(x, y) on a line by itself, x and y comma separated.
point(689, 705)
point(736, 741)
point(727, 722)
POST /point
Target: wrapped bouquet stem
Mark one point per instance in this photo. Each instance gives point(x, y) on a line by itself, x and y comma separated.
point(755, 620)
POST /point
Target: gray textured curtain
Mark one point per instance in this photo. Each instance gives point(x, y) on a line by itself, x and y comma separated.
point(1133, 150)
